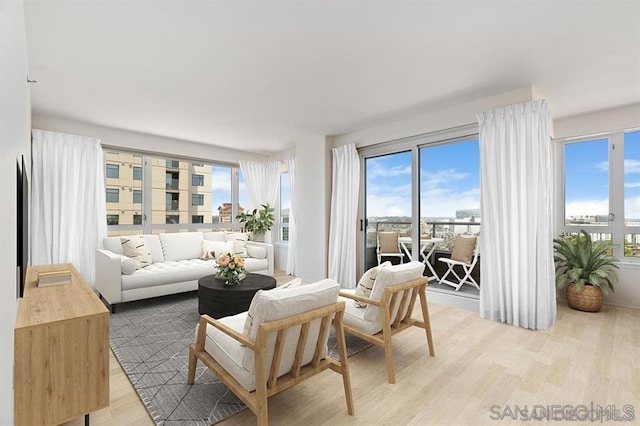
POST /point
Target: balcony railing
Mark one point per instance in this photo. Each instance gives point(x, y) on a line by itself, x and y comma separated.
point(173, 184)
point(172, 205)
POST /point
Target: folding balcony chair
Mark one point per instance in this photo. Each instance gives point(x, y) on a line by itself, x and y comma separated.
point(465, 255)
point(389, 246)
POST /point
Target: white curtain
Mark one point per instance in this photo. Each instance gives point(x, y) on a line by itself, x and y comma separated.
point(68, 215)
point(518, 285)
point(262, 180)
point(344, 215)
point(293, 231)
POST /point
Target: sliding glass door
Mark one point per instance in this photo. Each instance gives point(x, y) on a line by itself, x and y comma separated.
point(387, 201)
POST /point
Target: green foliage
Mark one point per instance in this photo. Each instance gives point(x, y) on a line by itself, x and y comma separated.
point(258, 221)
point(582, 261)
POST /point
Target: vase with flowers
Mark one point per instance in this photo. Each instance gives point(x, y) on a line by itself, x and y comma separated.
point(230, 268)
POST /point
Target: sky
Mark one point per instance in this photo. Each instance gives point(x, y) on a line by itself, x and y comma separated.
point(587, 177)
point(449, 181)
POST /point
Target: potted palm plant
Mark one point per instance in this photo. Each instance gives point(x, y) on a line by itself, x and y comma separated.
point(586, 268)
point(258, 222)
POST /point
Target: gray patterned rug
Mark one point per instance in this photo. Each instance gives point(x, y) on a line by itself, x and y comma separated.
point(151, 338)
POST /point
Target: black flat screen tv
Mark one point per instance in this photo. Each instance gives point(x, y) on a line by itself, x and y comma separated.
point(22, 224)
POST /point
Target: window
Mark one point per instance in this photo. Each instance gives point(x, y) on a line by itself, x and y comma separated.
point(113, 219)
point(197, 180)
point(172, 200)
point(197, 200)
point(174, 191)
point(113, 171)
point(285, 206)
point(601, 191)
point(243, 193)
point(113, 195)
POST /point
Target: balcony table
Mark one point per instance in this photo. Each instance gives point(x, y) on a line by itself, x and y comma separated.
point(425, 243)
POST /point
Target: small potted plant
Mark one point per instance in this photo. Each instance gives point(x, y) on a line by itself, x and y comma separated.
point(586, 268)
point(258, 222)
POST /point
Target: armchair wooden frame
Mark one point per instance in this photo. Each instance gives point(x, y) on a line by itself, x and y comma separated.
point(410, 292)
point(267, 381)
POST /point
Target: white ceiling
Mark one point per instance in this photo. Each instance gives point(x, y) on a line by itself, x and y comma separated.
point(259, 75)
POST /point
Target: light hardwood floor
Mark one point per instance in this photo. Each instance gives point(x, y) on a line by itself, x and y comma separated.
point(480, 367)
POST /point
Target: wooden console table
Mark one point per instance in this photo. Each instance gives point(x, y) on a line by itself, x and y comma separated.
point(61, 366)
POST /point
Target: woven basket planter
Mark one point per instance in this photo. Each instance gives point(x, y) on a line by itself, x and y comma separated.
point(589, 299)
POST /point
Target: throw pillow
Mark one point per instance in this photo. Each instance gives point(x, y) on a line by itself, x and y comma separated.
point(365, 285)
point(463, 248)
point(239, 242)
point(134, 247)
point(214, 249)
point(127, 265)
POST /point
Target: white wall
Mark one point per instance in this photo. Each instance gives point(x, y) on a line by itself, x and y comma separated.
point(605, 120)
point(15, 139)
point(313, 194)
point(142, 142)
point(432, 121)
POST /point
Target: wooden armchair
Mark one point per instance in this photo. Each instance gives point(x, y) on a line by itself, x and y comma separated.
point(389, 309)
point(285, 351)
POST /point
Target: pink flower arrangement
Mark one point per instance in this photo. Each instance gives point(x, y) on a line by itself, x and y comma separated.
point(230, 268)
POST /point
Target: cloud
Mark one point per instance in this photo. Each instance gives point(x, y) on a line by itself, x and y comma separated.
point(631, 166)
point(378, 169)
point(587, 208)
point(603, 166)
point(632, 208)
point(632, 185)
point(440, 177)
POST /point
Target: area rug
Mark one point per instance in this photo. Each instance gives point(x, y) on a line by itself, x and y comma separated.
point(151, 340)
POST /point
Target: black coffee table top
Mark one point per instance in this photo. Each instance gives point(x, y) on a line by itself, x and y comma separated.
point(252, 283)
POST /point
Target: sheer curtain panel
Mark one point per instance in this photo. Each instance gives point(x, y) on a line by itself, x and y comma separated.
point(518, 284)
point(262, 180)
point(293, 232)
point(68, 215)
point(344, 215)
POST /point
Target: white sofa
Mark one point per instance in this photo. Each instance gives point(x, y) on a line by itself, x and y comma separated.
point(176, 266)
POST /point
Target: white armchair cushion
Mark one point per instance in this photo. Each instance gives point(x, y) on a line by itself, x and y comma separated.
point(182, 245)
point(273, 305)
point(354, 316)
point(389, 276)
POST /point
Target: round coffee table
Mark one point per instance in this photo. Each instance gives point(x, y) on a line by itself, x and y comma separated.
point(219, 300)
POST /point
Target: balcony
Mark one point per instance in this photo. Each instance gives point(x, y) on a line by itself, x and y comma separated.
point(171, 205)
point(173, 184)
point(447, 230)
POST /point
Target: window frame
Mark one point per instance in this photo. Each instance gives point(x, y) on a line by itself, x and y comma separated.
point(117, 169)
point(111, 190)
point(616, 224)
point(199, 197)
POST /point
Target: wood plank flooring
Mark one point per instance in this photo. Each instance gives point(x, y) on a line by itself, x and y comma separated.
point(481, 369)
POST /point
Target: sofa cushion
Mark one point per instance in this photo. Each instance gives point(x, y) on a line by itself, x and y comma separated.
point(182, 245)
point(255, 265)
point(239, 242)
point(169, 272)
point(214, 249)
point(114, 245)
point(256, 252)
point(213, 236)
point(354, 316)
point(134, 247)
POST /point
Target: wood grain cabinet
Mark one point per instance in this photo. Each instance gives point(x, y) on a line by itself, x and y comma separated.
point(61, 368)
